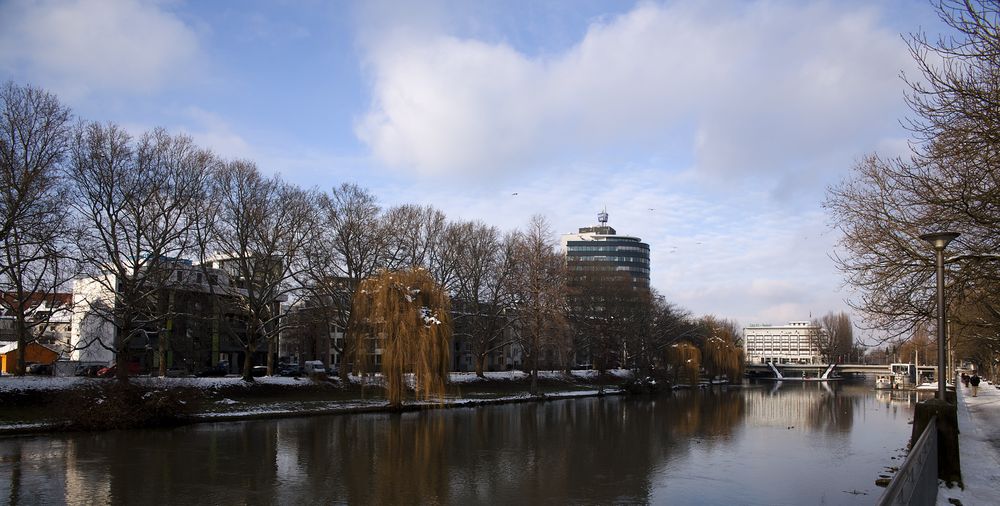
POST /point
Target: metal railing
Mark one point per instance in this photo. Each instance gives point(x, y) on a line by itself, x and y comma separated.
point(916, 482)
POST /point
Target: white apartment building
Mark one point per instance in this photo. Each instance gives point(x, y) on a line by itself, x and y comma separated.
point(795, 343)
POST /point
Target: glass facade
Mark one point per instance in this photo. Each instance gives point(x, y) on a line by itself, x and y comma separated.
point(599, 252)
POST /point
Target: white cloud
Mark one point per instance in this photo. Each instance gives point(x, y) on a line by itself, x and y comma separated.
point(768, 86)
point(77, 47)
point(211, 131)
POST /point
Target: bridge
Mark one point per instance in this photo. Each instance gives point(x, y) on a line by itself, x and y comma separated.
point(793, 370)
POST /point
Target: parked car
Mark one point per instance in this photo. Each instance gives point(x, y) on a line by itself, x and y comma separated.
point(314, 368)
point(87, 370)
point(290, 370)
point(258, 371)
point(177, 372)
point(112, 371)
point(40, 369)
point(216, 371)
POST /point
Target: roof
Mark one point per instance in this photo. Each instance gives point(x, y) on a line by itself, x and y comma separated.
point(57, 299)
point(13, 346)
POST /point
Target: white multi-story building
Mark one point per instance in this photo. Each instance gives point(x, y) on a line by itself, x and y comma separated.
point(795, 343)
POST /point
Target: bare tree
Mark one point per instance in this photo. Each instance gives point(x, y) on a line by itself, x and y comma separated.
point(607, 311)
point(261, 231)
point(483, 271)
point(669, 324)
point(835, 340)
point(416, 232)
point(36, 259)
point(347, 248)
point(949, 183)
point(539, 294)
point(132, 199)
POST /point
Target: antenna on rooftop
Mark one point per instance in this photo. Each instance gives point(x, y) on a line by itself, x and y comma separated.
point(602, 217)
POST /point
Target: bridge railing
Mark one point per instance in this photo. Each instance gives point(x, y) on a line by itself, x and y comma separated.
point(916, 482)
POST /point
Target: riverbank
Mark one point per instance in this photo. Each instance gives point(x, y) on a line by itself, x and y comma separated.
point(46, 404)
point(979, 448)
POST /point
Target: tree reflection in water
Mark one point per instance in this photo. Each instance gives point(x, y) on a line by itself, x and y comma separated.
point(595, 450)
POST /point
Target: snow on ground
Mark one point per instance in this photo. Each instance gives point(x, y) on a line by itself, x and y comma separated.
point(215, 383)
point(38, 383)
point(979, 446)
point(470, 377)
point(589, 374)
point(26, 383)
point(252, 411)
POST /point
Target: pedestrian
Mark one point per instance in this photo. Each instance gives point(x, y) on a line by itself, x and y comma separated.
point(974, 381)
point(965, 380)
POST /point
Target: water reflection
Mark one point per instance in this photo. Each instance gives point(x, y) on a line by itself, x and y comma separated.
point(664, 449)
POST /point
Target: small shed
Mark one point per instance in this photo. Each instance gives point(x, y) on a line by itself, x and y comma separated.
point(34, 352)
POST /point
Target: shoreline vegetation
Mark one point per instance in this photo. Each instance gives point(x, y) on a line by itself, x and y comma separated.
point(34, 405)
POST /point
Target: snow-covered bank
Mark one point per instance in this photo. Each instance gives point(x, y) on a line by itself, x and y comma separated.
point(230, 398)
point(979, 447)
point(49, 383)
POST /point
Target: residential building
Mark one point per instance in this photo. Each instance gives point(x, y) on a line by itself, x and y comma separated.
point(51, 318)
point(313, 328)
point(196, 322)
point(34, 354)
point(502, 353)
point(794, 343)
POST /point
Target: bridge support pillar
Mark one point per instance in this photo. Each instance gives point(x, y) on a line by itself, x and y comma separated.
point(949, 466)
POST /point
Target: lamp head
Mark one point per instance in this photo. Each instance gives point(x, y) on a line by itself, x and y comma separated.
point(940, 240)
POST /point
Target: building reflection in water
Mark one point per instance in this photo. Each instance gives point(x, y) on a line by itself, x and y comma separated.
point(814, 405)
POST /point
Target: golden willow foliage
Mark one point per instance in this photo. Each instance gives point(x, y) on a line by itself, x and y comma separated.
point(722, 356)
point(405, 313)
point(685, 360)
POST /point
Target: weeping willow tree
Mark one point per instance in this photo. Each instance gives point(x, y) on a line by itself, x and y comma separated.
point(684, 359)
point(722, 356)
point(405, 314)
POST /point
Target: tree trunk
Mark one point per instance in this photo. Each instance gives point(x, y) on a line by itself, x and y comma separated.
point(248, 363)
point(601, 376)
point(164, 337)
point(534, 374)
point(121, 363)
point(271, 344)
point(347, 352)
point(161, 352)
point(481, 365)
point(22, 343)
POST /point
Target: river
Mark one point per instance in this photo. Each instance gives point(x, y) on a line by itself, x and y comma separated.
point(764, 444)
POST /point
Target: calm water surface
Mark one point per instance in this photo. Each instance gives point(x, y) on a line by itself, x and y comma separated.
point(767, 444)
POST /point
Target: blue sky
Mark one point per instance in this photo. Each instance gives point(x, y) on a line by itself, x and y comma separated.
point(709, 129)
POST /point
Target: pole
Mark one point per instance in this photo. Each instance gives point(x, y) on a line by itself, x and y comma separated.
point(940, 323)
point(949, 460)
point(940, 241)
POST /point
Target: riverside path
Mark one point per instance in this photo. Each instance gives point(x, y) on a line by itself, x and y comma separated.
point(979, 446)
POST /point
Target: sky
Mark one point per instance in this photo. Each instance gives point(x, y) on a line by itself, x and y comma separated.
point(711, 130)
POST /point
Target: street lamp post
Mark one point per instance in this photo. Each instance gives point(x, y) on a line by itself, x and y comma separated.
point(940, 240)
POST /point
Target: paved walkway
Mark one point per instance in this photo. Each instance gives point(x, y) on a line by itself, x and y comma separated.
point(979, 446)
